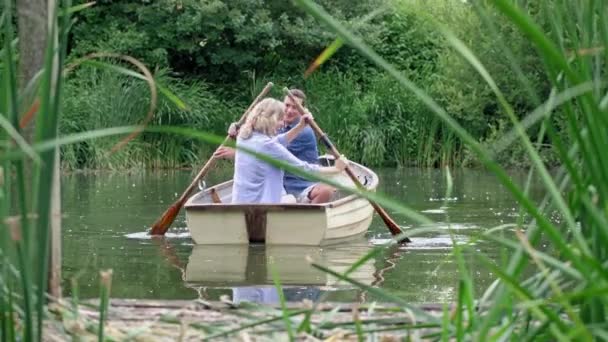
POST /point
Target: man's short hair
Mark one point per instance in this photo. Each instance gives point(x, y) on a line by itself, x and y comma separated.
point(299, 94)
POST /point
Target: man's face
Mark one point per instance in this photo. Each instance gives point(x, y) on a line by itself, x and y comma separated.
point(291, 111)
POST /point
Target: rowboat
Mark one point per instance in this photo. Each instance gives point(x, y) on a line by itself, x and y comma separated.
point(212, 219)
point(224, 266)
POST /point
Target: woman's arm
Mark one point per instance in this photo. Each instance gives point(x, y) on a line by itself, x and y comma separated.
point(338, 167)
point(293, 133)
point(278, 151)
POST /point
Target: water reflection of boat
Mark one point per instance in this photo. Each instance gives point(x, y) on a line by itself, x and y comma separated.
point(244, 265)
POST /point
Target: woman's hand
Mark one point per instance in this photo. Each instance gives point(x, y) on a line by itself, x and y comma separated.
point(339, 166)
point(224, 152)
point(304, 119)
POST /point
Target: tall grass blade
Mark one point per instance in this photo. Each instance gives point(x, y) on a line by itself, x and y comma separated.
point(368, 256)
point(554, 262)
point(551, 54)
point(75, 9)
point(358, 325)
point(19, 140)
point(277, 285)
point(542, 312)
point(445, 324)
point(253, 324)
point(515, 65)
point(214, 139)
point(104, 298)
point(6, 312)
point(536, 159)
point(545, 272)
point(540, 113)
point(332, 48)
point(50, 106)
point(479, 150)
point(19, 225)
point(384, 295)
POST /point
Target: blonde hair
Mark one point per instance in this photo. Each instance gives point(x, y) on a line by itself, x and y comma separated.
point(263, 118)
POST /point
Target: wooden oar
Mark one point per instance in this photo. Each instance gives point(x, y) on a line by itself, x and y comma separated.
point(161, 226)
point(390, 223)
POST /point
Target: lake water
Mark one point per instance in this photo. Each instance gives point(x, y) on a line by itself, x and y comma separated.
point(106, 215)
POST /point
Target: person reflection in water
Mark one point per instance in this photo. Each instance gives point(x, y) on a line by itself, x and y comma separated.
point(270, 295)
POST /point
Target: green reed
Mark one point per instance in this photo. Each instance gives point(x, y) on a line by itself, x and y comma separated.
point(567, 296)
point(522, 307)
point(26, 181)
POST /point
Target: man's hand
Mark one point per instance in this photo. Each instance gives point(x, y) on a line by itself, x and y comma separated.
point(224, 152)
point(307, 117)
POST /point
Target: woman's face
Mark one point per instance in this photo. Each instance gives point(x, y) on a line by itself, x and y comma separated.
point(279, 123)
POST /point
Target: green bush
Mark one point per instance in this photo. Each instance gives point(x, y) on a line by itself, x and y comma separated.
point(377, 124)
point(215, 39)
point(87, 108)
point(460, 89)
point(220, 52)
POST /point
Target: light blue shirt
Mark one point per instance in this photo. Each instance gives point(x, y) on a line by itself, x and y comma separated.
point(266, 295)
point(256, 181)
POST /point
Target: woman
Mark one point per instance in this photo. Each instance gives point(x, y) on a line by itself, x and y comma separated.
point(256, 181)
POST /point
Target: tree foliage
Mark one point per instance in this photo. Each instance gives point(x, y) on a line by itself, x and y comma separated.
point(229, 49)
point(214, 39)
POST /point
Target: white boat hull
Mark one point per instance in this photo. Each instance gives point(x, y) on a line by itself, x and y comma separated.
point(280, 224)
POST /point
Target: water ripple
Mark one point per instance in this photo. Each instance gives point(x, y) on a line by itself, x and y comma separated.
point(169, 235)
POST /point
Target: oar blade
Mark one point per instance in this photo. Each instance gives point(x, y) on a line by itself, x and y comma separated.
point(393, 227)
point(161, 226)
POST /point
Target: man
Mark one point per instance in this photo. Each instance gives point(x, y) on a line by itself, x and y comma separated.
point(304, 147)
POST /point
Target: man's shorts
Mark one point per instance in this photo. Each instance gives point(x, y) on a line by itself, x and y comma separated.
point(304, 196)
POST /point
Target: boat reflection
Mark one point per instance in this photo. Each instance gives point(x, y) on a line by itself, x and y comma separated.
point(246, 266)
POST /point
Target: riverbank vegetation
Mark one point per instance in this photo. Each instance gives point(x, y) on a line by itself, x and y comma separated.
point(556, 293)
point(216, 55)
